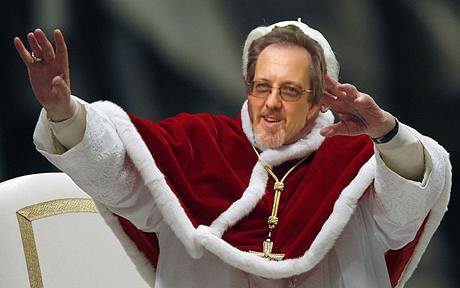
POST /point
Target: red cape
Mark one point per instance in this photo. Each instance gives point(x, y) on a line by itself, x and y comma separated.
point(207, 161)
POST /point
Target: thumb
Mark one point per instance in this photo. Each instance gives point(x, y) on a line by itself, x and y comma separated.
point(60, 89)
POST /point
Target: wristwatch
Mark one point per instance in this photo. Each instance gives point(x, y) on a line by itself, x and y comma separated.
point(390, 135)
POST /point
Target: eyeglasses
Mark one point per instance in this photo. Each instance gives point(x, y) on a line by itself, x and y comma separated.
point(288, 92)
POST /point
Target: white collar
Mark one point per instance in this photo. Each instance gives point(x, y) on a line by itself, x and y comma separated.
point(296, 150)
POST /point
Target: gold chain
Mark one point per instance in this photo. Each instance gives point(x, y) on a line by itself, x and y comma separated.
point(273, 218)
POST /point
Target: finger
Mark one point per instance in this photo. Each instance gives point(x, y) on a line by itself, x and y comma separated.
point(323, 108)
point(47, 48)
point(338, 128)
point(61, 53)
point(61, 47)
point(346, 116)
point(34, 46)
point(331, 81)
point(22, 51)
point(333, 102)
point(60, 88)
point(350, 90)
point(327, 101)
point(332, 86)
point(330, 96)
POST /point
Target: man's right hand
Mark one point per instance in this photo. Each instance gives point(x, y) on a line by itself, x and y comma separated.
point(48, 77)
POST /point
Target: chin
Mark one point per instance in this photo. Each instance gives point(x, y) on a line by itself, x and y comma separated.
point(266, 139)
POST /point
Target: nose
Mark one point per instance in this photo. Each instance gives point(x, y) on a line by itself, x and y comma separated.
point(273, 100)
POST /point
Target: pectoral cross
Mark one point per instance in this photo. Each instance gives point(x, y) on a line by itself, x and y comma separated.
point(272, 222)
point(267, 251)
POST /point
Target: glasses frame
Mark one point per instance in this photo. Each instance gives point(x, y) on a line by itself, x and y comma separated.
point(250, 86)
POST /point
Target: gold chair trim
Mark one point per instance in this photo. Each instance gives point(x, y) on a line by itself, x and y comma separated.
point(28, 214)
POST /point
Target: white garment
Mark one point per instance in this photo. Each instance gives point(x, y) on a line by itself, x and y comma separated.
point(387, 218)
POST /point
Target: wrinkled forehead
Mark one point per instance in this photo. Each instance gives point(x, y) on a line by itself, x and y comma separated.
point(285, 63)
point(332, 65)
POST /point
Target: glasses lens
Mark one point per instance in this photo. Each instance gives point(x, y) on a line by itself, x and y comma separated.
point(290, 93)
point(260, 88)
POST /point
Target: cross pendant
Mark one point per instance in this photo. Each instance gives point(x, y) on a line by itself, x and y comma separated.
point(267, 252)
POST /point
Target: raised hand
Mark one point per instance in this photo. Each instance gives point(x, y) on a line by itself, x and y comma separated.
point(358, 112)
point(48, 73)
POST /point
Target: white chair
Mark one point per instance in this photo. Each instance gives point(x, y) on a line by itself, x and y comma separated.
point(52, 236)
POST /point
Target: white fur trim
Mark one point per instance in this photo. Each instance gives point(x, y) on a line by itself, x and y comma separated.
point(170, 207)
point(243, 206)
point(331, 62)
point(246, 123)
point(142, 264)
point(330, 231)
point(195, 240)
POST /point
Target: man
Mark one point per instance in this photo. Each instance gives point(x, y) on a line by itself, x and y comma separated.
point(277, 197)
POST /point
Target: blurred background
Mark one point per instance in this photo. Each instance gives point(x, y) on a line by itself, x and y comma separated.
point(159, 58)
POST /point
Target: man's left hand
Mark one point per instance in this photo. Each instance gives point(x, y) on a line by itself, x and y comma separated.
point(358, 112)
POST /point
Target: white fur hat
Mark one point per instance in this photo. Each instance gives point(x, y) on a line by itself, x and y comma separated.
point(332, 65)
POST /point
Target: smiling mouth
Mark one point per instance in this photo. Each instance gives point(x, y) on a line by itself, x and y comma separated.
point(271, 120)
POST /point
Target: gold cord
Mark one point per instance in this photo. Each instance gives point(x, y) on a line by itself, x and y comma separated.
point(273, 219)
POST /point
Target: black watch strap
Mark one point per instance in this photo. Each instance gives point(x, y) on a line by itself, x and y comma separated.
point(390, 135)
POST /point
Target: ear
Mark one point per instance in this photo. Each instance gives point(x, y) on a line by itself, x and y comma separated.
point(245, 88)
point(313, 112)
point(250, 111)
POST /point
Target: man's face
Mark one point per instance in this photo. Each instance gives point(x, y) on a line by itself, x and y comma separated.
point(274, 121)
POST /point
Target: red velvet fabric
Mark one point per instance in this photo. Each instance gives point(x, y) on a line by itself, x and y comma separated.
point(207, 161)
